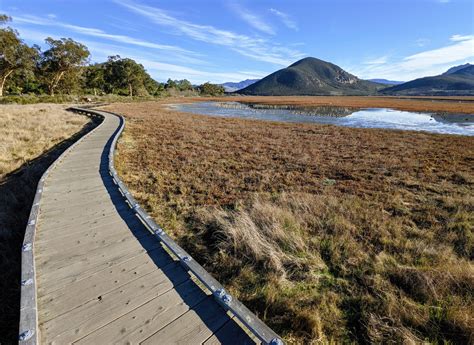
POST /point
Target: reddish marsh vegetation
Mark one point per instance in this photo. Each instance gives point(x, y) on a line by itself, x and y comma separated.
point(327, 233)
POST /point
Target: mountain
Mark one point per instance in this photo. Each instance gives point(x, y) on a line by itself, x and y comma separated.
point(231, 87)
point(386, 82)
point(456, 68)
point(457, 83)
point(311, 77)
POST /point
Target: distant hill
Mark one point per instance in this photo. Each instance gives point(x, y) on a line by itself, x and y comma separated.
point(386, 82)
point(311, 76)
point(231, 87)
point(457, 83)
point(456, 68)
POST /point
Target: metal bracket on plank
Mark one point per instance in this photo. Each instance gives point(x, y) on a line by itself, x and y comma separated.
point(26, 282)
point(26, 335)
point(223, 296)
point(26, 247)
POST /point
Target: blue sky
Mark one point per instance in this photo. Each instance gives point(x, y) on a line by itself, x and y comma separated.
point(230, 40)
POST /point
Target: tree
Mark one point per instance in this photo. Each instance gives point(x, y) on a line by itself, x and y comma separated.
point(64, 55)
point(15, 55)
point(153, 87)
point(211, 89)
point(184, 85)
point(170, 84)
point(94, 77)
point(125, 74)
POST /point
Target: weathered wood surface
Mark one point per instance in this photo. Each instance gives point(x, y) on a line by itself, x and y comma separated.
point(101, 276)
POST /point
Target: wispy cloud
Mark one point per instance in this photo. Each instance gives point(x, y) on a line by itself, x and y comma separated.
point(421, 42)
point(254, 20)
point(98, 33)
point(430, 62)
point(163, 71)
point(377, 61)
point(285, 18)
point(159, 70)
point(458, 38)
point(256, 48)
point(462, 49)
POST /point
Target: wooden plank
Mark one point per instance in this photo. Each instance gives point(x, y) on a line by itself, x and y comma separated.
point(74, 186)
point(68, 198)
point(54, 275)
point(144, 321)
point(87, 244)
point(91, 210)
point(93, 315)
point(84, 224)
point(84, 176)
point(193, 327)
point(70, 233)
point(96, 206)
point(78, 219)
point(77, 293)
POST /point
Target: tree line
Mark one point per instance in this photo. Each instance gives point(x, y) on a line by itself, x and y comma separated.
point(64, 68)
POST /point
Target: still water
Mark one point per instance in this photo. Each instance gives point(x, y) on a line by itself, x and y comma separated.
point(460, 124)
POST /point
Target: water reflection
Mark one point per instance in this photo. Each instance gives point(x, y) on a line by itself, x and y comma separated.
point(461, 124)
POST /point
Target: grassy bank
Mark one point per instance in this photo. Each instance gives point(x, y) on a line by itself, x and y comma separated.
point(68, 99)
point(31, 138)
point(327, 233)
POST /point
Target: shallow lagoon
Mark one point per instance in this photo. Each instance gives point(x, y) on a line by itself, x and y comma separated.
point(460, 124)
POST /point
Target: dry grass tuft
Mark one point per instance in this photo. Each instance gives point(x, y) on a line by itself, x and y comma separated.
point(333, 268)
point(329, 234)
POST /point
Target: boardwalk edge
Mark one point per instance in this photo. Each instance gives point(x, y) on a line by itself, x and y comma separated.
point(253, 324)
point(28, 327)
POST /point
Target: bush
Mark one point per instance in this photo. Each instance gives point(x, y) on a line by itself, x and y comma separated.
point(211, 89)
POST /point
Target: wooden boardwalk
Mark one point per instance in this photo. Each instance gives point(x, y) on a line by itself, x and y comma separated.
point(101, 275)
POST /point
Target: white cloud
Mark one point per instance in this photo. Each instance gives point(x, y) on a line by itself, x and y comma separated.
point(377, 61)
point(426, 63)
point(285, 18)
point(462, 49)
point(252, 19)
point(457, 38)
point(254, 47)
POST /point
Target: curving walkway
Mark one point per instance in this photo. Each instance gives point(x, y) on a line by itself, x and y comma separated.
point(102, 277)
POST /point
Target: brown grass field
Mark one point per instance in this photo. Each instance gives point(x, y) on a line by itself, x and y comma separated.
point(31, 138)
point(329, 234)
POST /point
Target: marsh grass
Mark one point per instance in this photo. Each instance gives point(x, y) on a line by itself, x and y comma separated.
point(31, 138)
point(329, 234)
